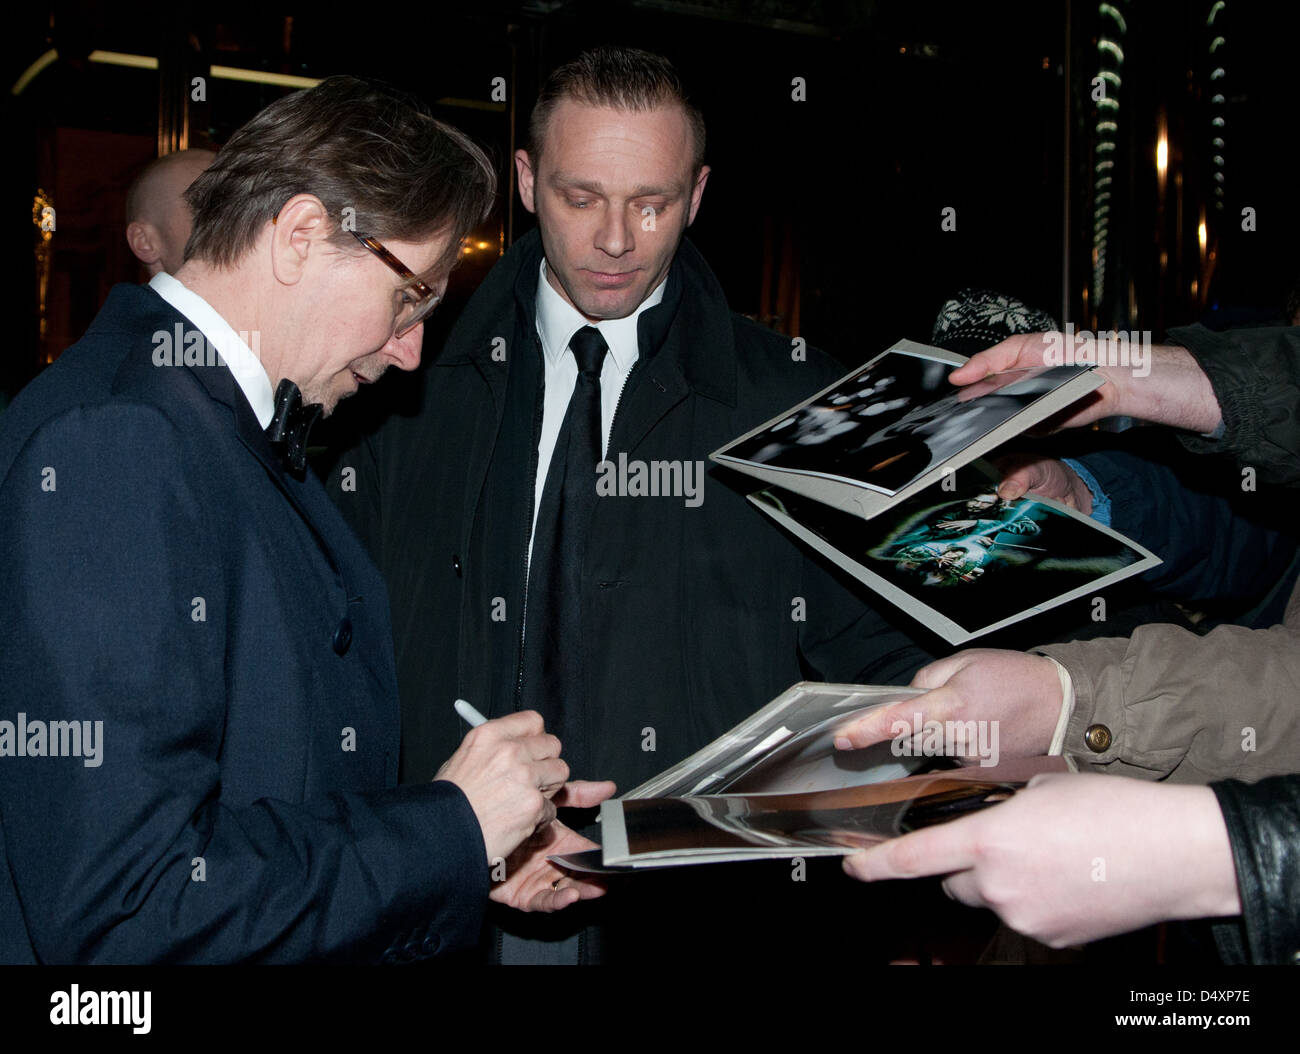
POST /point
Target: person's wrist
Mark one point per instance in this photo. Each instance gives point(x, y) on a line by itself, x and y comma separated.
point(1210, 873)
point(1086, 490)
point(1120, 398)
point(1176, 392)
point(1082, 496)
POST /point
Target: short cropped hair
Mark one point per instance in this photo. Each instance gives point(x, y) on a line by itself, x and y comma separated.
point(617, 77)
point(355, 145)
point(139, 195)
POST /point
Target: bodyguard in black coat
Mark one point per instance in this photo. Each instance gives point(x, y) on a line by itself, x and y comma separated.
point(694, 609)
point(199, 732)
point(698, 614)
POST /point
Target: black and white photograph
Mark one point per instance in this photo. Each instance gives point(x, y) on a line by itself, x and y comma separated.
point(888, 425)
point(732, 827)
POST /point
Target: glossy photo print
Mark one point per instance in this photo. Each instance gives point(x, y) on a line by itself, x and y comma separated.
point(965, 562)
point(896, 419)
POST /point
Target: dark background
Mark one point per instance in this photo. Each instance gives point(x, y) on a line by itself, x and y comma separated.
point(822, 218)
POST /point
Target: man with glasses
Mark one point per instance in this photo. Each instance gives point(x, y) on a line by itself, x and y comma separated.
point(416, 300)
point(199, 727)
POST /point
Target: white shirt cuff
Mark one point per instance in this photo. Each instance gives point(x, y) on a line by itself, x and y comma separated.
point(1067, 709)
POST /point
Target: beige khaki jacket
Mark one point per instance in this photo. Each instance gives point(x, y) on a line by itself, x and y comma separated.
point(1167, 702)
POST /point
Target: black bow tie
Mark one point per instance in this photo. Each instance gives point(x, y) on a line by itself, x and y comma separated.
point(290, 424)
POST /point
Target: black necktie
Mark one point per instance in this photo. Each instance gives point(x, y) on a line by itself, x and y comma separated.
point(290, 425)
point(553, 682)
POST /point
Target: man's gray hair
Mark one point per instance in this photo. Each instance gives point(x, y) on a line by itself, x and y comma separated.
point(356, 145)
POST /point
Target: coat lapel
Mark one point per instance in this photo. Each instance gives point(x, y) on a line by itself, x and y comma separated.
point(502, 309)
point(651, 394)
point(221, 387)
point(686, 345)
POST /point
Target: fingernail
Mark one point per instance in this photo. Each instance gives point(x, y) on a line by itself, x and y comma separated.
point(841, 743)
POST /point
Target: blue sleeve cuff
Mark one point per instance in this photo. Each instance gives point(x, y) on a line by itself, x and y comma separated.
point(1100, 499)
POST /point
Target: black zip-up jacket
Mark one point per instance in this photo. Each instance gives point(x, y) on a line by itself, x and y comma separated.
point(698, 614)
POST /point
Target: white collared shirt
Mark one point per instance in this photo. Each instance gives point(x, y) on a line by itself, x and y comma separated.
point(557, 322)
point(250, 374)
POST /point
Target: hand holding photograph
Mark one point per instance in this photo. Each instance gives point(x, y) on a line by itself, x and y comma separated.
point(894, 426)
point(776, 786)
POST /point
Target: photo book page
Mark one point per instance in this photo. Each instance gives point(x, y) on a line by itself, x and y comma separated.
point(961, 560)
point(895, 426)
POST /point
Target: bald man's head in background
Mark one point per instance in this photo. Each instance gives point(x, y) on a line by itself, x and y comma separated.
point(157, 219)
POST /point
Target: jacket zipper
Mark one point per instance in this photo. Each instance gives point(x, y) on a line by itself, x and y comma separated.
point(618, 405)
point(538, 412)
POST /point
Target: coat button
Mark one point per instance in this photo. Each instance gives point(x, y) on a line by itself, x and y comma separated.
point(455, 563)
point(343, 637)
point(411, 949)
point(1098, 738)
point(431, 944)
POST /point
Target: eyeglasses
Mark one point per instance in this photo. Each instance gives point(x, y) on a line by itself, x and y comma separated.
point(415, 309)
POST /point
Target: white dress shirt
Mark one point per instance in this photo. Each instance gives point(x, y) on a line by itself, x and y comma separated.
point(557, 322)
point(250, 374)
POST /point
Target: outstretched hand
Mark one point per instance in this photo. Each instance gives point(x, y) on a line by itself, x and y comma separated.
point(1167, 387)
point(1073, 858)
point(1029, 351)
point(1022, 473)
point(1021, 694)
point(532, 882)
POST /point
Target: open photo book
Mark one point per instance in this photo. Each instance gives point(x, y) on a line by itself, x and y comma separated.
point(895, 426)
point(775, 786)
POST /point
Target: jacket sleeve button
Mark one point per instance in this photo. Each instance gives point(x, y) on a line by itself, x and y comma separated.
point(343, 637)
point(1098, 738)
point(455, 563)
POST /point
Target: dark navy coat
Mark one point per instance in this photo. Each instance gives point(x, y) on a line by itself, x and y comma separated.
point(161, 573)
